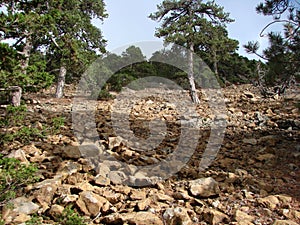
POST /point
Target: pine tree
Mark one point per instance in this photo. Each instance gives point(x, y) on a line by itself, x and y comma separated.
point(183, 21)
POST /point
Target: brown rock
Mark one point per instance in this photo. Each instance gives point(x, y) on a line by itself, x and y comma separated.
point(284, 222)
point(102, 181)
point(243, 217)
point(177, 216)
point(92, 204)
point(137, 218)
point(22, 218)
point(271, 202)
point(204, 187)
point(71, 152)
point(18, 207)
point(144, 204)
point(139, 194)
point(56, 211)
point(45, 195)
point(215, 217)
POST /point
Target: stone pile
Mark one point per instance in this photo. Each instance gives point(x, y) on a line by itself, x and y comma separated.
point(254, 178)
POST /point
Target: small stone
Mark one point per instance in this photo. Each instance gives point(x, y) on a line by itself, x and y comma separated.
point(250, 141)
point(19, 155)
point(56, 210)
point(117, 177)
point(177, 216)
point(22, 218)
point(144, 204)
point(102, 181)
point(137, 195)
point(215, 217)
point(249, 94)
point(114, 142)
point(242, 216)
point(91, 204)
point(204, 187)
point(265, 157)
point(137, 218)
point(271, 202)
point(284, 222)
point(20, 206)
point(71, 152)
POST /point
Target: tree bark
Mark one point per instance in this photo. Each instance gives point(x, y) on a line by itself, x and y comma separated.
point(215, 63)
point(193, 90)
point(26, 54)
point(61, 82)
point(16, 96)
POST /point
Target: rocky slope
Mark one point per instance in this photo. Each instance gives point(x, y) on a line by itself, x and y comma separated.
point(254, 178)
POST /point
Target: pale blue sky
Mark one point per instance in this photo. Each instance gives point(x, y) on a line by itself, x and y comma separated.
point(128, 22)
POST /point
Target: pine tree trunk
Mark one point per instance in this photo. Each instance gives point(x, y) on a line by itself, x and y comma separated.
point(193, 90)
point(215, 64)
point(16, 95)
point(26, 54)
point(61, 82)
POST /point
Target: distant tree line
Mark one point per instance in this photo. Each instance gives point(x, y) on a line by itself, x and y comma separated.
point(55, 41)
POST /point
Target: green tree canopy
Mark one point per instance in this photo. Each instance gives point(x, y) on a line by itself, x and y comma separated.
point(182, 22)
point(283, 54)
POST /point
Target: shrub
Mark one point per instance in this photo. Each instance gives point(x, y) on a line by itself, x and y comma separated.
point(70, 217)
point(13, 176)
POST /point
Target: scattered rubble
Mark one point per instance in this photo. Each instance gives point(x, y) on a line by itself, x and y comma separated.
point(254, 178)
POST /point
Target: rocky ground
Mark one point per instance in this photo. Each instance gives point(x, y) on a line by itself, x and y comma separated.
point(253, 178)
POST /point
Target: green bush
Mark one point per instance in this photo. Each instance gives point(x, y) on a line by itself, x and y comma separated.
point(70, 217)
point(14, 115)
point(14, 176)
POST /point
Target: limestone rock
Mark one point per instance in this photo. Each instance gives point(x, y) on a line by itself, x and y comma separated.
point(71, 152)
point(20, 206)
point(56, 210)
point(271, 202)
point(284, 222)
point(243, 217)
point(250, 141)
point(137, 218)
point(174, 216)
point(204, 187)
point(92, 204)
point(215, 217)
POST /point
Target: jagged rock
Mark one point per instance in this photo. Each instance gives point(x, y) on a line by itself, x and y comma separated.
point(19, 207)
point(114, 142)
point(91, 204)
point(20, 155)
point(215, 217)
point(284, 222)
point(56, 181)
point(56, 210)
point(163, 198)
point(144, 204)
point(71, 152)
point(250, 141)
point(271, 202)
point(174, 216)
point(137, 218)
point(204, 187)
point(138, 194)
point(70, 198)
point(21, 219)
point(117, 177)
point(102, 181)
point(265, 157)
point(45, 195)
point(243, 217)
point(103, 170)
point(249, 94)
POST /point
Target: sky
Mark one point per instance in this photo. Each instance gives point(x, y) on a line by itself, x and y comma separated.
point(128, 22)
